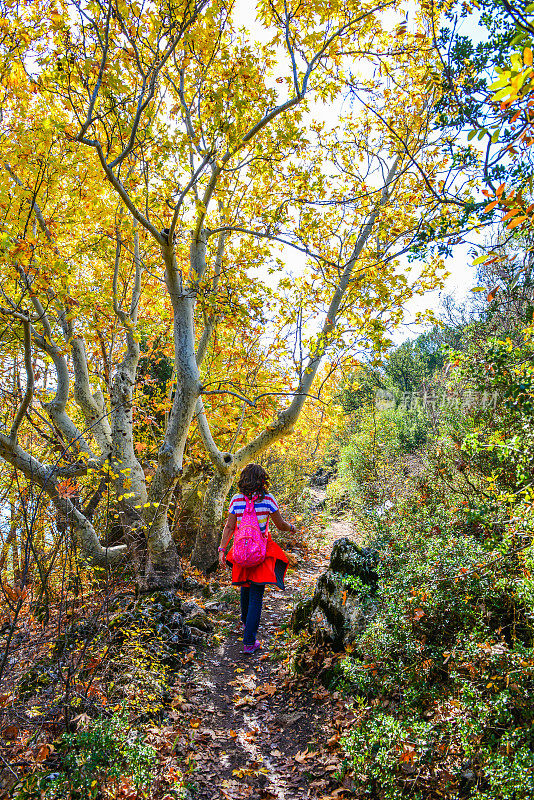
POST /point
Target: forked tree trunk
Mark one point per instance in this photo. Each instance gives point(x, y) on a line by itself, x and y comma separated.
point(204, 555)
point(163, 567)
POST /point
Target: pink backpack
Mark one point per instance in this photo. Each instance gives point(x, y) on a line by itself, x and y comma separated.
point(250, 544)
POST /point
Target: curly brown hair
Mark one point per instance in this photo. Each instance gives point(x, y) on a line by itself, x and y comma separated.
point(253, 481)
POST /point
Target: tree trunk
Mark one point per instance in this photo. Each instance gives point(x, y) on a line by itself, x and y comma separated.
point(204, 554)
point(43, 476)
point(163, 568)
point(11, 543)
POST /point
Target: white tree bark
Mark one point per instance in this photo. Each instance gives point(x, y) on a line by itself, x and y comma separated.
point(163, 559)
point(149, 86)
point(46, 476)
point(90, 403)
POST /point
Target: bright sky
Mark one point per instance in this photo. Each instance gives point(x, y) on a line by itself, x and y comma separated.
point(462, 274)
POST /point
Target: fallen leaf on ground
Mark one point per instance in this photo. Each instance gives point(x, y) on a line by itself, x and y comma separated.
point(302, 756)
point(43, 752)
point(266, 689)
point(247, 700)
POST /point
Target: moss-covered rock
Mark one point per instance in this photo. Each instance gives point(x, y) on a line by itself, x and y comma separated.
point(358, 562)
point(342, 604)
point(81, 630)
point(199, 620)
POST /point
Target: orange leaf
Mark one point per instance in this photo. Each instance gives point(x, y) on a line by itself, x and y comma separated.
point(500, 190)
point(491, 295)
point(67, 488)
point(511, 213)
point(43, 752)
point(303, 755)
point(343, 598)
point(515, 222)
point(527, 56)
point(10, 593)
point(10, 733)
point(490, 206)
point(408, 753)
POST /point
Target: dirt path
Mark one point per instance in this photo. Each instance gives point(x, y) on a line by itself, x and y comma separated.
point(248, 729)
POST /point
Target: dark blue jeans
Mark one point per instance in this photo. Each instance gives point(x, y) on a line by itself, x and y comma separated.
point(251, 602)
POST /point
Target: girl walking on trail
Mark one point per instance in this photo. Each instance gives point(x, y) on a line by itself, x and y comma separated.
point(253, 484)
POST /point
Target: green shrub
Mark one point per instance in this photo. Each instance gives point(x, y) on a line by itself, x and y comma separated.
point(104, 753)
point(381, 436)
point(449, 654)
point(379, 749)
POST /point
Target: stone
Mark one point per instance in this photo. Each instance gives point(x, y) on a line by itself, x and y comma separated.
point(166, 599)
point(301, 614)
point(190, 607)
point(200, 620)
point(197, 635)
point(213, 607)
point(359, 562)
point(338, 613)
point(175, 621)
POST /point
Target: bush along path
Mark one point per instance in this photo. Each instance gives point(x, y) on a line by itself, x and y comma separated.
point(252, 726)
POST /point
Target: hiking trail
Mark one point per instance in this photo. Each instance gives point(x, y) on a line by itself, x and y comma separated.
point(243, 725)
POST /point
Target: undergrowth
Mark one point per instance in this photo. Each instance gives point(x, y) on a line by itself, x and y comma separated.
point(442, 678)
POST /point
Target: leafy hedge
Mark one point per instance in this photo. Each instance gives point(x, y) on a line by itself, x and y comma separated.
point(442, 679)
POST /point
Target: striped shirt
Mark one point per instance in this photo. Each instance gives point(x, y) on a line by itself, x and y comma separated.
point(263, 508)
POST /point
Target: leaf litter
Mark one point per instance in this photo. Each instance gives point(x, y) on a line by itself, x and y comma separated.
point(271, 733)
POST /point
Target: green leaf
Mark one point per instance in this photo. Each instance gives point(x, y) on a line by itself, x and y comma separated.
point(515, 280)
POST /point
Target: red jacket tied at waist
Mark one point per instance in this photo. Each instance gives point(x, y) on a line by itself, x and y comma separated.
point(272, 570)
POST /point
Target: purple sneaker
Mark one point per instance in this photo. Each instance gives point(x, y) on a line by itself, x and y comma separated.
point(251, 648)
